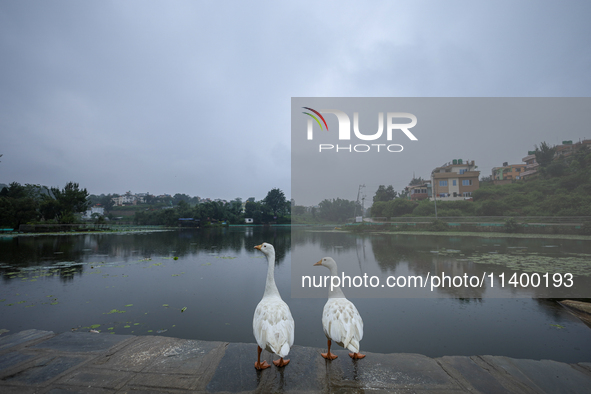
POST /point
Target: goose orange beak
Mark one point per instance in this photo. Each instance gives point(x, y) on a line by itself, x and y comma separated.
point(319, 263)
point(258, 247)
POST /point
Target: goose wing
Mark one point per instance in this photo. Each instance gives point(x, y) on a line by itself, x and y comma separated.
point(273, 326)
point(342, 323)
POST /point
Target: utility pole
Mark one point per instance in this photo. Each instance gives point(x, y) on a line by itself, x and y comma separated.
point(357, 202)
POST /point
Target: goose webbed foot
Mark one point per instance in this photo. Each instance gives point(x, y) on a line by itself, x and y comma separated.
point(281, 362)
point(356, 356)
point(329, 355)
point(261, 366)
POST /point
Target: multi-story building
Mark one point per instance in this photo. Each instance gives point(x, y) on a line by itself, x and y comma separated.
point(455, 180)
point(419, 192)
point(531, 165)
point(507, 173)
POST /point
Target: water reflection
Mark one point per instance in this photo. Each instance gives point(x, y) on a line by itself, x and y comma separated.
point(132, 284)
point(470, 267)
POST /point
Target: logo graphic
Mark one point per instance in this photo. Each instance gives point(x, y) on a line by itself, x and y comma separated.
point(315, 118)
point(345, 124)
point(345, 129)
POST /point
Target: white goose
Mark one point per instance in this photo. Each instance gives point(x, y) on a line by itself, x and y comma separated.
point(340, 319)
point(272, 324)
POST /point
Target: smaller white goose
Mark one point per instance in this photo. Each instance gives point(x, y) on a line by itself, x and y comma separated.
point(340, 319)
point(272, 325)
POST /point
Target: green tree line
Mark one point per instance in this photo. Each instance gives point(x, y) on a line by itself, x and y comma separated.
point(274, 208)
point(21, 204)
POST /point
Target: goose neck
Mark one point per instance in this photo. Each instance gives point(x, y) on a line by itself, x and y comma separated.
point(271, 287)
point(335, 292)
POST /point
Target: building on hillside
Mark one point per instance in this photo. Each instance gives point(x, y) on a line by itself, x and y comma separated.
point(531, 165)
point(563, 150)
point(507, 173)
point(419, 192)
point(568, 148)
point(126, 199)
point(455, 180)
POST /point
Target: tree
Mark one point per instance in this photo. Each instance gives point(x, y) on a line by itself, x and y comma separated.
point(177, 198)
point(416, 181)
point(384, 194)
point(276, 201)
point(69, 201)
point(398, 207)
point(17, 206)
point(544, 154)
point(106, 202)
point(299, 210)
point(337, 210)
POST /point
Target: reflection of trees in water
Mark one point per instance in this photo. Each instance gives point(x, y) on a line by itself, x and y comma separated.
point(327, 240)
point(420, 255)
point(279, 237)
point(23, 253)
point(31, 251)
point(390, 251)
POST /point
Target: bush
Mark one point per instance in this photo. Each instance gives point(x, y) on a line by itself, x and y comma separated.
point(424, 208)
point(491, 208)
point(398, 207)
point(438, 225)
point(511, 225)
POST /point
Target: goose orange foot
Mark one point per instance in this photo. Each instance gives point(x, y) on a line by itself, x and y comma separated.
point(260, 366)
point(329, 355)
point(281, 362)
point(356, 356)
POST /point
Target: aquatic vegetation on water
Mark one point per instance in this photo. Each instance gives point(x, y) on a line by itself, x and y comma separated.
point(533, 262)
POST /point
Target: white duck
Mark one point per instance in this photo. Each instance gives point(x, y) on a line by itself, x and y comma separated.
point(272, 324)
point(340, 319)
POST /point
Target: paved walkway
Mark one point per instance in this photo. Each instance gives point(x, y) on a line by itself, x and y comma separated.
point(36, 361)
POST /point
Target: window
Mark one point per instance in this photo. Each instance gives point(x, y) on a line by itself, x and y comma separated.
point(466, 182)
point(462, 171)
point(443, 183)
point(453, 182)
point(467, 194)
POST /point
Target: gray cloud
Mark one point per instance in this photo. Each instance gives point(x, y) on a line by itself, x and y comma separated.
point(194, 97)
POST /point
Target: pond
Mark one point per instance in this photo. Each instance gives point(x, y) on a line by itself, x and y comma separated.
point(205, 284)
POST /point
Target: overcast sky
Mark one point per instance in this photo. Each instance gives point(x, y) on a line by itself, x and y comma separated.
point(194, 97)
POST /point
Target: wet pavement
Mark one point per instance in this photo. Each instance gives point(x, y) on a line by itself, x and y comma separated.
point(36, 361)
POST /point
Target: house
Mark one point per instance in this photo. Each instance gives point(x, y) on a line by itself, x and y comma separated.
point(419, 192)
point(96, 209)
point(507, 173)
point(564, 150)
point(126, 199)
point(455, 180)
point(568, 148)
point(531, 165)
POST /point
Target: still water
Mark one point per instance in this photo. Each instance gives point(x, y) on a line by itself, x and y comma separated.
point(205, 284)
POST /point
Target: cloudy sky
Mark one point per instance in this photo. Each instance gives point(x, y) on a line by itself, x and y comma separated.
point(194, 96)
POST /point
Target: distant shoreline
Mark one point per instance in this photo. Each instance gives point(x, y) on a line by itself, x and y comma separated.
point(13, 235)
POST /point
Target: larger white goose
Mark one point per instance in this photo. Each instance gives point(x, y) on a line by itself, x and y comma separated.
point(340, 319)
point(272, 325)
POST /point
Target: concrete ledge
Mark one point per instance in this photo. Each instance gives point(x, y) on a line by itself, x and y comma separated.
point(36, 361)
